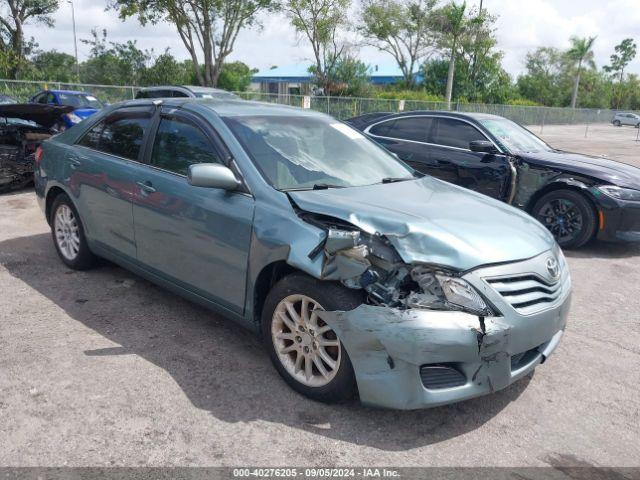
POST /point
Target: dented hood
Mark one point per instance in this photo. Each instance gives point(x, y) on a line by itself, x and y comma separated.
point(45, 115)
point(430, 221)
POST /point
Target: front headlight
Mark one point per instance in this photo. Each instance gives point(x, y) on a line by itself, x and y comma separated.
point(441, 291)
point(458, 292)
point(621, 193)
point(73, 118)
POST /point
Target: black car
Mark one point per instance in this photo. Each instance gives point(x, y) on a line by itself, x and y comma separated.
point(578, 197)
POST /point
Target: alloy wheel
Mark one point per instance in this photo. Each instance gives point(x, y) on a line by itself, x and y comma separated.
point(563, 218)
point(67, 232)
point(305, 345)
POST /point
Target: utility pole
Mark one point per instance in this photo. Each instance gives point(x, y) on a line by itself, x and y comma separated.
point(75, 40)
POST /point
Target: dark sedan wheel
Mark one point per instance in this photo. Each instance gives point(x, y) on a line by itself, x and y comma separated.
point(568, 215)
point(305, 350)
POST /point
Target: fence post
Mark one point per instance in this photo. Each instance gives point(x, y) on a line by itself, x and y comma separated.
point(544, 114)
point(133, 93)
point(586, 130)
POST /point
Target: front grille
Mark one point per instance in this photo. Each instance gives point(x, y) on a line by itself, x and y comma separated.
point(436, 377)
point(529, 293)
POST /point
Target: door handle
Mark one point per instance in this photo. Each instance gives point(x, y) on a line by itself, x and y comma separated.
point(146, 187)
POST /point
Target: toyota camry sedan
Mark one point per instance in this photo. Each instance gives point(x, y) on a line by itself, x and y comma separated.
point(364, 277)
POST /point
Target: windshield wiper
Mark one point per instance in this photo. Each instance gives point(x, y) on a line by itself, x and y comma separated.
point(396, 179)
point(325, 186)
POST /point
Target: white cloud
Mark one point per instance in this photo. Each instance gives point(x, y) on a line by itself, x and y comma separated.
point(521, 27)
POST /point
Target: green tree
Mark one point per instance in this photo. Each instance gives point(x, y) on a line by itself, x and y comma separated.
point(113, 63)
point(451, 23)
point(402, 29)
point(53, 65)
point(545, 80)
point(208, 28)
point(14, 15)
point(581, 53)
point(236, 76)
point(320, 22)
point(166, 70)
point(349, 77)
point(623, 54)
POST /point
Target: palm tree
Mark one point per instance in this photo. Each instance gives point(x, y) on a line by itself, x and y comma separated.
point(581, 53)
point(451, 24)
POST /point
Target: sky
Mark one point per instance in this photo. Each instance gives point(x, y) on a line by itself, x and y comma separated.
point(521, 27)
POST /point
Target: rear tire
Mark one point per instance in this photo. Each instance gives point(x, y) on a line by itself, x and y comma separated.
point(297, 339)
point(616, 123)
point(68, 235)
point(568, 215)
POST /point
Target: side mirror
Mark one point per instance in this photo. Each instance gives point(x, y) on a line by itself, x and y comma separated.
point(482, 146)
point(212, 175)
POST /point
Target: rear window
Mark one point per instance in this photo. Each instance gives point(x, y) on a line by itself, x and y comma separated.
point(119, 134)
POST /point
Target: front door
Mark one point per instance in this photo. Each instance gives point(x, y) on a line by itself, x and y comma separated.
point(481, 172)
point(197, 238)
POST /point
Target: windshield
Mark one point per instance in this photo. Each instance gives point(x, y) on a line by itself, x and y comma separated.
point(299, 152)
point(79, 100)
point(514, 137)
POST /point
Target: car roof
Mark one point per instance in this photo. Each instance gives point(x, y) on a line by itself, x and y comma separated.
point(463, 115)
point(190, 88)
point(69, 92)
point(227, 107)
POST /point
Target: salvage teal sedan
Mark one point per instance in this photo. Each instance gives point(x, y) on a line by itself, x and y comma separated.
point(363, 276)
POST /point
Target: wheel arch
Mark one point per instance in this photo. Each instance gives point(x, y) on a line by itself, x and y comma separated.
point(50, 197)
point(562, 184)
point(266, 279)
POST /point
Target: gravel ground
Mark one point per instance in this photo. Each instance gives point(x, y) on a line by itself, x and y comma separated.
point(102, 368)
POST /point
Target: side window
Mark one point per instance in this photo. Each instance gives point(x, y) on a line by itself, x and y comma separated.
point(454, 133)
point(415, 128)
point(179, 94)
point(120, 134)
point(382, 129)
point(51, 98)
point(123, 137)
point(178, 144)
point(91, 139)
point(42, 98)
point(142, 94)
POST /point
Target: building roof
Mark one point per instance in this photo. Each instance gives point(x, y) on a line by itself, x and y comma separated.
point(378, 73)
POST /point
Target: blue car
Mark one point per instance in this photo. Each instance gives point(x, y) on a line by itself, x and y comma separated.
point(84, 105)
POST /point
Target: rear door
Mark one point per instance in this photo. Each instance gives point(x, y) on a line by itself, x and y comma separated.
point(482, 172)
point(197, 238)
point(102, 165)
point(408, 138)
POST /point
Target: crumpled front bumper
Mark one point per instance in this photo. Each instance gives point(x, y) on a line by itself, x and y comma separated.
point(388, 346)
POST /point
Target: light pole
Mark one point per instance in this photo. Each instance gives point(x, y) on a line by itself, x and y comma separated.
point(75, 40)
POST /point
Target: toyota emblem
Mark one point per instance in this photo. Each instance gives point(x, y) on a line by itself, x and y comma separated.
point(553, 268)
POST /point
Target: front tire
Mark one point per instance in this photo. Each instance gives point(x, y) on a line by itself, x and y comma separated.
point(68, 235)
point(568, 215)
point(306, 351)
point(617, 123)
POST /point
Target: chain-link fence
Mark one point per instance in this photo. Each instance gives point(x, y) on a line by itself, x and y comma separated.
point(346, 107)
point(342, 107)
point(22, 90)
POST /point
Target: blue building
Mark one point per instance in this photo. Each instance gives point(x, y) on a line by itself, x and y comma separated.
point(296, 79)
